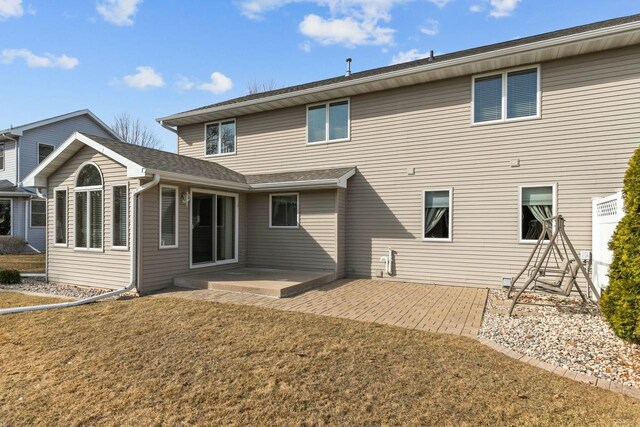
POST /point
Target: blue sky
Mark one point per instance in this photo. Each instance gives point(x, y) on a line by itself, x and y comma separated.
point(154, 58)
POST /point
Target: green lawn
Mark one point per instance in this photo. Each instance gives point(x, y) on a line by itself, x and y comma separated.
point(24, 263)
point(164, 361)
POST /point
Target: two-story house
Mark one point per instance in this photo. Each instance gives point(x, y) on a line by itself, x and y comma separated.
point(446, 165)
point(22, 148)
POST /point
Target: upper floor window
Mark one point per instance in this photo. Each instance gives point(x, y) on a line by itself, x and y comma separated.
point(328, 122)
point(88, 208)
point(1, 157)
point(220, 138)
point(43, 151)
point(509, 95)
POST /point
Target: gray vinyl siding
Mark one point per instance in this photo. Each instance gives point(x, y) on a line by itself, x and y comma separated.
point(9, 171)
point(37, 235)
point(158, 266)
point(53, 134)
point(107, 268)
point(311, 246)
point(589, 128)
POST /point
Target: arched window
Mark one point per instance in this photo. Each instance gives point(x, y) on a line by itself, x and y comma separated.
point(89, 207)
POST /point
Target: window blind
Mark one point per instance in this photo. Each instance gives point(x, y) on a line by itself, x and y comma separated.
point(522, 94)
point(81, 220)
point(95, 224)
point(168, 217)
point(38, 214)
point(119, 215)
point(487, 101)
point(61, 217)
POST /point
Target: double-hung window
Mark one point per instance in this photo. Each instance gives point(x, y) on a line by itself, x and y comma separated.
point(437, 215)
point(505, 96)
point(284, 210)
point(220, 138)
point(60, 217)
point(536, 204)
point(119, 219)
point(168, 216)
point(43, 151)
point(38, 213)
point(88, 208)
point(5, 217)
point(328, 122)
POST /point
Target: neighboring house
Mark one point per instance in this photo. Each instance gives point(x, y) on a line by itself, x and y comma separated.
point(448, 161)
point(22, 148)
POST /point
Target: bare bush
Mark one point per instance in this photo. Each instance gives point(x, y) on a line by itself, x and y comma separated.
point(12, 245)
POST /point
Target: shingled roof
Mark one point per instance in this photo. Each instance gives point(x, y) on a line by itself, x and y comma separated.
point(164, 161)
point(440, 58)
point(311, 175)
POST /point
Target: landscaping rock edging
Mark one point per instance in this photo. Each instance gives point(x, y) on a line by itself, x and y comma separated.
point(563, 372)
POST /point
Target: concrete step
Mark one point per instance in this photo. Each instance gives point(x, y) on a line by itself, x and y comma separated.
point(259, 281)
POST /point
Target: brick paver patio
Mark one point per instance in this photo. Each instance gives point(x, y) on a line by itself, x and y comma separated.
point(446, 309)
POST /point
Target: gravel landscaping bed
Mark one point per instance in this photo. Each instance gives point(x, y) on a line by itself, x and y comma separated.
point(42, 287)
point(568, 335)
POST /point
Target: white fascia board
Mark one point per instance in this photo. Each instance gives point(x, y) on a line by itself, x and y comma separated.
point(169, 176)
point(555, 42)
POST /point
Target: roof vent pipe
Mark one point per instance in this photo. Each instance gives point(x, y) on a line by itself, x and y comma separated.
point(431, 55)
point(348, 73)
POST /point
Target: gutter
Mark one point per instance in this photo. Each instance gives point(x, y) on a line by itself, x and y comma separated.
point(609, 31)
point(132, 270)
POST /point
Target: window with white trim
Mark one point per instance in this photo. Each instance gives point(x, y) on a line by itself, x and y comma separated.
point(88, 208)
point(1, 157)
point(60, 217)
point(508, 95)
point(536, 204)
point(168, 216)
point(119, 218)
point(284, 210)
point(43, 151)
point(220, 138)
point(437, 215)
point(5, 217)
point(38, 213)
point(328, 122)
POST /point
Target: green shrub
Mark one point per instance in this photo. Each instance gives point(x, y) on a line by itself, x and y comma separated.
point(9, 277)
point(620, 302)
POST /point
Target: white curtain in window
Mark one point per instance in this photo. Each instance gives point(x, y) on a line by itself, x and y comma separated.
point(433, 217)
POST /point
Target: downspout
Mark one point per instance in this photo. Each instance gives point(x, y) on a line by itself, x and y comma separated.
point(132, 269)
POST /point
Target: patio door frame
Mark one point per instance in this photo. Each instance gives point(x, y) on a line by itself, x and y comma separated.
point(214, 193)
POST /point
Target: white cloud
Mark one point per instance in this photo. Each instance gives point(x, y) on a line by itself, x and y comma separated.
point(185, 83)
point(409, 55)
point(11, 9)
point(476, 8)
point(305, 46)
point(144, 78)
point(431, 27)
point(349, 22)
point(440, 3)
point(345, 31)
point(503, 8)
point(39, 61)
point(118, 12)
point(218, 83)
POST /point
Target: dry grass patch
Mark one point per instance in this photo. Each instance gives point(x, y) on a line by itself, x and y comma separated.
point(25, 263)
point(155, 361)
point(15, 299)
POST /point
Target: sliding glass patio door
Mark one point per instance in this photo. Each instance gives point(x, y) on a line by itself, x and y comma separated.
point(213, 228)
